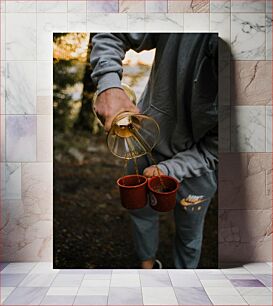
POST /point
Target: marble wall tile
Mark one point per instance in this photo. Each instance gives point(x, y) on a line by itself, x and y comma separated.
point(44, 78)
point(248, 129)
point(47, 23)
point(106, 22)
point(268, 128)
point(3, 37)
point(196, 22)
point(188, 6)
point(220, 6)
point(156, 6)
point(269, 6)
point(102, 6)
point(3, 87)
point(59, 6)
point(220, 23)
point(243, 181)
point(20, 138)
point(249, 6)
point(20, 36)
point(170, 22)
point(224, 82)
point(224, 129)
point(12, 174)
point(131, 6)
point(76, 22)
point(136, 22)
point(268, 23)
point(20, 87)
point(3, 6)
point(3, 138)
point(44, 138)
point(245, 236)
point(78, 6)
point(21, 6)
point(251, 82)
point(44, 105)
point(248, 36)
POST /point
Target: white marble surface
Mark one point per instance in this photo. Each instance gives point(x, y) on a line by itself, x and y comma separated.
point(136, 22)
point(3, 138)
point(248, 36)
point(20, 87)
point(3, 86)
point(20, 138)
point(59, 6)
point(220, 6)
point(21, 6)
point(268, 128)
point(3, 37)
point(78, 6)
point(131, 6)
point(268, 23)
point(47, 23)
point(248, 129)
point(269, 6)
point(20, 36)
point(77, 22)
point(44, 78)
point(102, 6)
point(198, 22)
point(44, 138)
point(12, 181)
point(106, 22)
point(171, 22)
point(249, 6)
point(156, 6)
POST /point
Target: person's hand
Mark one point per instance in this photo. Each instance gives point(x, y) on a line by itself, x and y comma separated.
point(152, 171)
point(112, 102)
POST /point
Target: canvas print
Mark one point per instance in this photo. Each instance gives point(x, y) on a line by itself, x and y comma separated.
point(135, 150)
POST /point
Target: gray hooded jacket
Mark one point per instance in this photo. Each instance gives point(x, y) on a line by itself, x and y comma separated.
point(181, 94)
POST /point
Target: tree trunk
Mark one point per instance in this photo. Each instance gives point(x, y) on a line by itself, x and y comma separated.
point(86, 118)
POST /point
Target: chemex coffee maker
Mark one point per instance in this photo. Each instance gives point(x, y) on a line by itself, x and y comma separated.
point(131, 136)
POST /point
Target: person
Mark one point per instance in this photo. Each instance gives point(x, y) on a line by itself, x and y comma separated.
point(181, 95)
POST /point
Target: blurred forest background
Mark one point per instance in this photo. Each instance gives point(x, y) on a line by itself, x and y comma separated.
point(91, 228)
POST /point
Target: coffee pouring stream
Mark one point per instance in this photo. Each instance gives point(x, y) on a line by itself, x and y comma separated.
point(131, 135)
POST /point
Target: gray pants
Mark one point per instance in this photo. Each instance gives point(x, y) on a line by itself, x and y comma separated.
point(188, 224)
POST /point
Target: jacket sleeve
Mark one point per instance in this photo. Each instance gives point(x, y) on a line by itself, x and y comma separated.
point(196, 161)
point(109, 50)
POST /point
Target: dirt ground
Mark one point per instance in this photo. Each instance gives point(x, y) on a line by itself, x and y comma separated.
point(91, 228)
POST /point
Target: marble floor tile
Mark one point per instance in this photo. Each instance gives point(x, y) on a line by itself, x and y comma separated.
point(247, 291)
point(90, 300)
point(103, 6)
point(136, 22)
point(198, 22)
point(268, 128)
point(266, 279)
point(67, 280)
point(97, 276)
point(192, 296)
point(77, 22)
point(125, 280)
point(11, 280)
point(131, 6)
point(5, 292)
point(125, 296)
point(38, 280)
point(240, 276)
point(217, 283)
point(62, 291)
point(58, 300)
point(21, 7)
point(221, 291)
point(150, 280)
point(44, 268)
point(26, 296)
point(220, 6)
point(268, 30)
point(227, 300)
point(258, 268)
point(246, 283)
point(86, 271)
point(90, 291)
point(12, 174)
point(248, 36)
point(167, 22)
point(104, 22)
point(3, 265)
point(188, 6)
point(159, 296)
point(44, 138)
point(96, 283)
point(258, 300)
point(20, 267)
